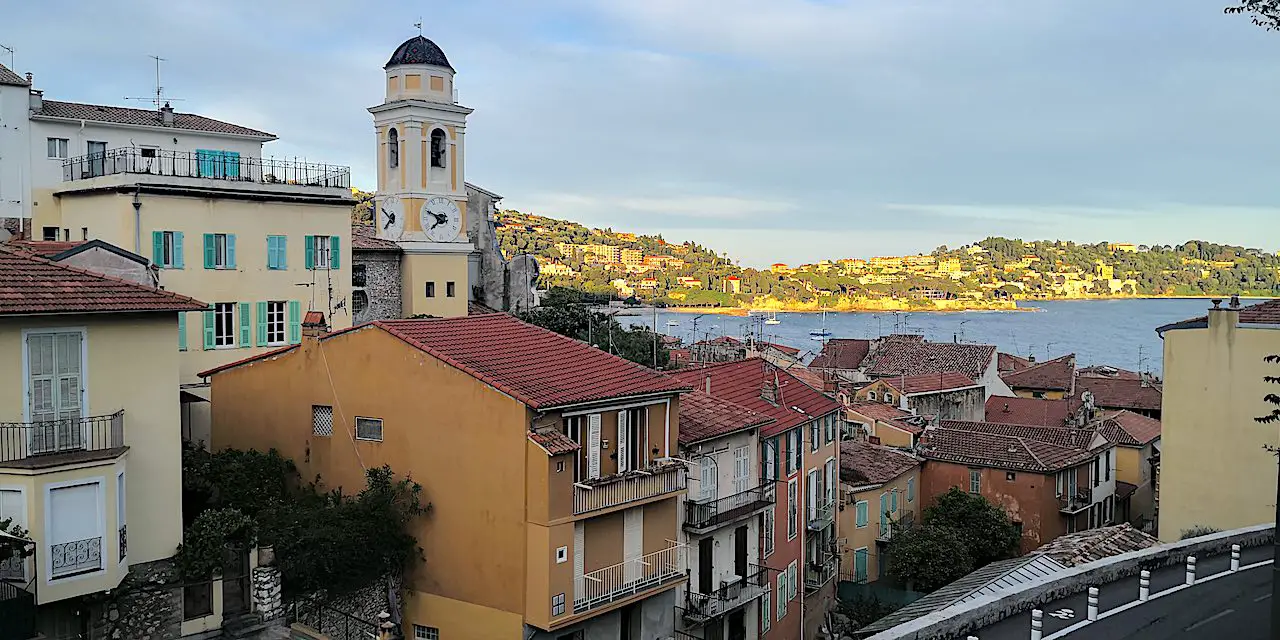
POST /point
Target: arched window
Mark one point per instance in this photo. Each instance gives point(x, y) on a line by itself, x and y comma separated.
point(871, 395)
point(393, 149)
point(888, 398)
point(439, 145)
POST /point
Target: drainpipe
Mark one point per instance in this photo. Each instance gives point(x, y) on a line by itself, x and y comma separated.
point(137, 222)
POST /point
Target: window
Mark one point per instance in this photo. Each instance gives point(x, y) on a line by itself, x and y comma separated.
point(782, 595)
point(911, 489)
point(121, 540)
point(871, 395)
point(768, 533)
point(885, 516)
point(321, 420)
point(450, 289)
point(1010, 476)
point(57, 147)
point(49, 234)
point(1038, 395)
point(224, 329)
point(860, 513)
point(166, 249)
point(888, 398)
point(557, 604)
point(393, 148)
point(832, 481)
point(197, 600)
point(358, 275)
point(439, 146)
point(893, 502)
point(182, 332)
point(793, 451)
point(562, 555)
point(277, 252)
point(430, 633)
point(359, 304)
point(793, 508)
point(766, 609)
point(431, 289)
point(1097, 475)
point(274, 323)
point(815, 435)
point(975, 481)
point(75, 544)
point(84, 233)
point(770, 460)
point(1106, 466)
point(369, 429)
point(791, 580)
point(860, 556)
point(219, 251)
point(830, 425)
point(706, 478)
point(322, 252)
point(148, 152)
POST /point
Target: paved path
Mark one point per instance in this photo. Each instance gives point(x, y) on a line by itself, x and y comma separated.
point(1163, 617)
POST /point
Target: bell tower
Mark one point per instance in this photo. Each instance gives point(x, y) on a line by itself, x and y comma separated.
point(422, 199)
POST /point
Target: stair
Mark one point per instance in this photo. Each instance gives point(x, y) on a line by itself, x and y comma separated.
point(244, 626)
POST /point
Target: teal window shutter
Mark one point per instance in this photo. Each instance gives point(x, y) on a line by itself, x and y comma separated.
point(208, 162)
point(182, 331)
point(893, 502)
point(295, 322)
point(157, 248)
point(208, 329)
point(245, 320)
point(178, 260)
point(311, 252)
point(271, 252)
point(860, 514)
point(231, 160)
point(335, 252)
point(231, 251)
point(209, 249)
point(282, 252)
point(262, 324)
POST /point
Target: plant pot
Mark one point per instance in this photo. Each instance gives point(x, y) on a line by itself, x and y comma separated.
point(266, 556)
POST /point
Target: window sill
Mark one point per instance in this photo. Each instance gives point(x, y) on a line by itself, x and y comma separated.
point(224, 347)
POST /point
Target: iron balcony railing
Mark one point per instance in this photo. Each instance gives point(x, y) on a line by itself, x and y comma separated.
point(14, 567)
point(25, 440)
point(632, 486)
point(78, 556)
point(684, 635)
point(124, 541)
point(823, 515)
point(818, 574)
point(213, 165)
point(729, 596)
point(628, 578)
point(1077, 501)
point(714, 513)
point(889, 528)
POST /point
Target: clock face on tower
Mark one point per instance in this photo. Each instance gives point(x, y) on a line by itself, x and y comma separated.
point(390, 217)
point(441, 219)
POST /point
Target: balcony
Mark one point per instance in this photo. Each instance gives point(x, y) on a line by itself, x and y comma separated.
point(701, 517)
point(628, 578)
point(632, 486)
point(818, 574)
point(889, 528)
point(33, 445)
point(1076, 502)
point(823, 515)
point(212, 165)
point(13, 568)
point(78, 556)
point(702, 607)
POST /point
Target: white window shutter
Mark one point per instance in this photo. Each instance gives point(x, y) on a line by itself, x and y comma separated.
point(624, 433)
point(593, 446)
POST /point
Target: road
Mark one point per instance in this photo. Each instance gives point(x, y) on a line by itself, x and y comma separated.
point(1235, 607)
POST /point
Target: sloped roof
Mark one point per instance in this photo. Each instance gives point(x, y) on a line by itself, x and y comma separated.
point(787, 349)
point(1089, 545)
point(365, 238)
point(553, 442)
point(703, 417)
point(1262, 313)
point(1128, 428)
point(1009, 362)
point(1058, 436)
point(741, 382)
point(7, 76)
point(1024, 448)
point(911, 358)
point(808, 376)
point(142, 117)
point(1051, 375)
point(864, 463)
point(1107, 371)
point(45, 248)
point(1035, 411)
point(30, 284)
point(1121, 394)
point(878, 410)
point(931, 382)
point(842, 353)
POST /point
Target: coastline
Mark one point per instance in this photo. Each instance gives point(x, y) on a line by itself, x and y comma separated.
point(937, 306)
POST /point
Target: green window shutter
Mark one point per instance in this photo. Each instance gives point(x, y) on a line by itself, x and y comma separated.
point(282, 252)
point(262, 324)
point(182, 331)
point(295, 322)
point(271, 252)
point(208, 329)
point(231, 250)
point(335, 252)
point(157, 248)
point(311, 252)
point(178, 260)
point(245, 320)
point(208, 251)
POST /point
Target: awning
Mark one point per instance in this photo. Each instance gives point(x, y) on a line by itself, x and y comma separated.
point(186, 397)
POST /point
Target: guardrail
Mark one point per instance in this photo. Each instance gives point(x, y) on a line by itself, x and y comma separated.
point(704, 606)
point(705, 515)
point(823, 515)
point(212, 165)
point(628, 487)
point(627, 578)
point(24, 440)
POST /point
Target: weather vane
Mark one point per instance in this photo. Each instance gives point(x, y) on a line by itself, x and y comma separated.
point(418, 24)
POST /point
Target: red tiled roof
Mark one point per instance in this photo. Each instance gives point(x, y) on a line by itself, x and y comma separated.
point(1034, 411)
point(1052, 375)
point(364, 237)
point(30, 284)
point(1111, 393)
point(142, 117)
point(741, 382)
point(1009, 362)
point(1078, 548)
point(842, 353)
point(878, 410)
point(1262, 313)
point(993, 449)
point(254, 358)
point(1128, 428)
point(7, 76)
point(1107, 371)
point(313, 318)
point(930, 382)
point(910, 358)
point(1078, 438)
point(45, 248)
point(789, 350)
point(553, 442)
point(703, 417)
point(864, 463)
point(807, 376)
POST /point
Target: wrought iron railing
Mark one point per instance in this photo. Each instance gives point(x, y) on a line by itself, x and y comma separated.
point(124, 541)
point(214, 165)
point(890, 527)
point(23, 440)
point(1080, 500)
point(330, 622)
point(593, 495)
point(13, 567)
point(818, 574)
point(821, 517)
point(77, 556)
point(703, 515)
point(627, 578)
point(729, 596)
point(684, 635)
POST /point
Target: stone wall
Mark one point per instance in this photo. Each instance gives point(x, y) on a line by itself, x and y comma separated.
point(266, 593)
point(381, 285)
point(146, 606)
point(349, 617)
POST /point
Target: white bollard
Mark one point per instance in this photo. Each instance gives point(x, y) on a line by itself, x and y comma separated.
point(973, 638)
point(1235, 557)
point(1093, 604)
point(1144, 586)
point(1191, 570)
point(1037, 624)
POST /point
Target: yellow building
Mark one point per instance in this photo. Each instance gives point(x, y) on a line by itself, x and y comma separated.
point(879, 487)
point(90, 450)
point(1137, 440)
point(1215, 469)
point(890, 425)
point(555, 498)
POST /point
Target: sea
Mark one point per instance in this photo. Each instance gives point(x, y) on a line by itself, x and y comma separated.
point(1120, 333)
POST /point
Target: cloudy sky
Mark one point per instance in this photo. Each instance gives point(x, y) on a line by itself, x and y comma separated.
point(787, 130)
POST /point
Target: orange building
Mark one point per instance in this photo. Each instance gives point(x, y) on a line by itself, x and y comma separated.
point(549, 466)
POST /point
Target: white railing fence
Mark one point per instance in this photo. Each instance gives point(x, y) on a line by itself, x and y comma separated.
point(628, 577)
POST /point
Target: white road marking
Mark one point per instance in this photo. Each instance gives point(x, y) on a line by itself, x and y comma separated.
point(1262, 597)
point(1211, 618)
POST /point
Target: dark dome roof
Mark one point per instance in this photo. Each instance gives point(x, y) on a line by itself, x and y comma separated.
point(418, 50)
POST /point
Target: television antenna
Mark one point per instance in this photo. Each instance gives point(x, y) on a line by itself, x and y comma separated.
point(159, 100)
point(418, 24)
point(10, 52)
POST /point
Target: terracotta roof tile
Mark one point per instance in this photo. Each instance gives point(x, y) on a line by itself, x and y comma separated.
point(878, 410)
point(254, 358)
point(553, 442)
point(7, 76)
point(1128, 428)
point(1107, 371)
point(1052, 375)
point(364, 238)
point(1009, 362)
point(478, 308)
point(808, 376)
point(842, 353)
point(142, 117)
point(1034, 411)
point(931, 382)
point(703, 417)
point(787, 349)
point(910, 358)
point(1016, 447)
point(1267, 312)
point(1081, 547)
point(1112, 393)
point(1078, 438)
point(864, 463)
point(45, 248)
point(742, 381)
point(30, 284)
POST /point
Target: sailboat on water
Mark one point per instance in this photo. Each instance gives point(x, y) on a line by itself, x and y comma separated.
point(821, 334)
point(773, 318)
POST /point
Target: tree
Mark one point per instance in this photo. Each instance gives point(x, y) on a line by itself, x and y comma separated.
point(637, 344)
point(1264, 13)
point(984, 528)
point(928, 556)
point(12, 539)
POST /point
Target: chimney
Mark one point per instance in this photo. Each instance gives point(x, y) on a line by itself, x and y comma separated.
point(708, 385)
point(769, 392)
point(314, 326)
point(873, 439)
point(166, 115)
point(1031, 358)
point(1006, 407)
point(36, 100)
point(1224, 319)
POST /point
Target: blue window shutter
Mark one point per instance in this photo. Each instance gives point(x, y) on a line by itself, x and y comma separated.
point(231, 251)
point(273, 252)
point(157, 248)
point(246, 340)
point(282, 252)
point(311, 252)
point(893, 502)
point(208, 162)
point(208, 329)
point(262, 324)
point(182, 331)
point(232, 161)
point(295, 322)
point(179, 262)
point(335, 252)
point(209, 259)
